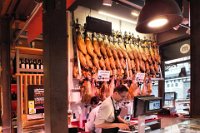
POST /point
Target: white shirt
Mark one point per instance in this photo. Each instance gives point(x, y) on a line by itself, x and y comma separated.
point(106, 112)
point(90, 126)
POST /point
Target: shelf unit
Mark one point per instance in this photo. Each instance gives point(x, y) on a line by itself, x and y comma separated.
point(26, 77)
point(27, 51)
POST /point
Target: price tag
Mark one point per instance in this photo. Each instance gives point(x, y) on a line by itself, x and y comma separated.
point(32, 111)
point(140, 77)
point(31, 104)
point(103, 75)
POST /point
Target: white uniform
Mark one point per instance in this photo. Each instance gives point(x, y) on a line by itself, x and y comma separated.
point(90, 126)
point(106, 112)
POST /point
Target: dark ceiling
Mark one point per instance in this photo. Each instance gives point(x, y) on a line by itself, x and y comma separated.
point(17, 9)
point(22, 9)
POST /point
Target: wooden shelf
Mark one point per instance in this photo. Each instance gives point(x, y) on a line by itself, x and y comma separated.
point(25, 37)
point(31, 70)
point(27, 50)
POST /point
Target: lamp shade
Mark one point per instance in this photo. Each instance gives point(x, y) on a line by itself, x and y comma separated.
point(158, 16)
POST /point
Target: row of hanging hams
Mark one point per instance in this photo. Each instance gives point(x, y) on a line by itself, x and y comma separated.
point(90, 88)
point(140, 89)
point(122, 56)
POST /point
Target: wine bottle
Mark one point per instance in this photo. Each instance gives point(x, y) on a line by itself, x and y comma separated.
point(41, 65)
point(38, 64)
point(22, 63)
point(31, 64)
point(27, 63)
point(35, 63)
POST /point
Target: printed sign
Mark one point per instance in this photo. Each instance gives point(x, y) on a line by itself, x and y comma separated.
point(140, 77)
point(185, 48)
point(36, 99)
point(32, 111)
point(31, 104)
point(103, 75)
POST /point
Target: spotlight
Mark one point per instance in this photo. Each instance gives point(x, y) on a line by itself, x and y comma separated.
point(107, 2)
point(158, 16)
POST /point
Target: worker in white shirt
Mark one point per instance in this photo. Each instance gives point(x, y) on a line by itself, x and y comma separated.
point(89, 126)
point(108, 118)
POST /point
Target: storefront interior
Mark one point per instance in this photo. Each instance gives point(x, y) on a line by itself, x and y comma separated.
point(54, 67)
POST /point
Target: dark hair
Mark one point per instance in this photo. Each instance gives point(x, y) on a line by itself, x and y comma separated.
point(94, 100)
point(120, 89)
point(183, 72)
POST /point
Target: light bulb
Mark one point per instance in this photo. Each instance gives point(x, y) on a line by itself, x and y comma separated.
point(156, 23)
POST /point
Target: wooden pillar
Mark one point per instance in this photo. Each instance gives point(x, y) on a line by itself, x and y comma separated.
point(195, 54)
point(55, 65)
point(5, 75)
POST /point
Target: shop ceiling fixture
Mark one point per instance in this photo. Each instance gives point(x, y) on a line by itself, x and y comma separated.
point(107, 2)
point(135, 13)
point(158, 16)
point(131, 4)
point(116, 17)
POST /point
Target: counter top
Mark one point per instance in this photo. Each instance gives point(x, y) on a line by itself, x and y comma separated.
point(187, 126)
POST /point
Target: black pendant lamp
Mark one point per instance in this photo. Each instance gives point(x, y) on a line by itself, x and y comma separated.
point(158, 16)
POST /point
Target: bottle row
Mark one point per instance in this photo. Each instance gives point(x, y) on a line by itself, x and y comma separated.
point(26, 63)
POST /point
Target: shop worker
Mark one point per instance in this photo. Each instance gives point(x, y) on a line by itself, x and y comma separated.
point(89, 126)
point(94, 102)
point(108, 118)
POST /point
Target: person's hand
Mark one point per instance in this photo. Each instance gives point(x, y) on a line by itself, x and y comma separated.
point(126, 122)
point(123, 126)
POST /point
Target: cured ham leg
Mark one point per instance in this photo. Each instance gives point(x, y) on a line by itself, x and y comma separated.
point(89, 46)
point(96, 46)
point(107, 63)
point(86, 92)
point(81, 43)
point(134, 89)
point(112, 63)
point(112, 86)
point(149, 87)
point(89, 61)
point(96, 62)
point(82, 60)
point(102, 48)
point(102, 64)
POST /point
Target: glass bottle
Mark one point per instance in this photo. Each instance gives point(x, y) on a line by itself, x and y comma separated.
point(38, 64)
point(35, 63)
point(31, 64)
point(23, 63)
point(27, 63)
point(41, 65)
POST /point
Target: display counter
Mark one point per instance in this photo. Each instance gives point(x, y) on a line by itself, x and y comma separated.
point(187, 126)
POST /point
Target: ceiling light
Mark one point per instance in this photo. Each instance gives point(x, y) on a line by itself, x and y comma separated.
point(107, 2)
point(157, 23)
point(136, 14)
point(154, 9)
point(116, 17)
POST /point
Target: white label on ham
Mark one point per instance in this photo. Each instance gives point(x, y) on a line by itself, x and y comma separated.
point(103, 75)
point(140, 77)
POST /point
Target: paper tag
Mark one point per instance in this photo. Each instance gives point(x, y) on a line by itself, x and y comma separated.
point(31, 104)
point(103, 75)
point(32, 111)
point(140, 77)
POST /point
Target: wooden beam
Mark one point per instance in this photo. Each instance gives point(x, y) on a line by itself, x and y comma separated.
point(5, 76)
point(17, 24)
point(55, 66)
point(4, 7)
point(195, 54)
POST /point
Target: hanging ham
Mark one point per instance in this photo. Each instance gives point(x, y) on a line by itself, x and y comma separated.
point(81, 43)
